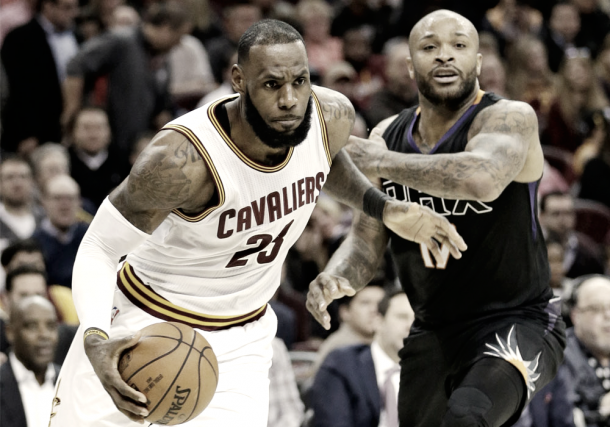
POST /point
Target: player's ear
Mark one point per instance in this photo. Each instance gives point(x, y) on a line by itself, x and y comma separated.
point(238, 80)
point(479, 62)
point(410, 67)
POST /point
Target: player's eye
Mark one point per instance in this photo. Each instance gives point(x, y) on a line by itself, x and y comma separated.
point(300, 81)
point(460, 45)
point(429, 47)
point(271, 84)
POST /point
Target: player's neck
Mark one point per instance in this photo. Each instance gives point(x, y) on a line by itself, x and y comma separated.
point(435, 120)
point(247, 141)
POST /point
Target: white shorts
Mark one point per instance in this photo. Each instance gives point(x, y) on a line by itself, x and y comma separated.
point(242, 396)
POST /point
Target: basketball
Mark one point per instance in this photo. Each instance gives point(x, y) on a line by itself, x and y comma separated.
point(175, 368)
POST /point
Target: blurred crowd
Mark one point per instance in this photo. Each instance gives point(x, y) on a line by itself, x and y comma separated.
point(85, 84)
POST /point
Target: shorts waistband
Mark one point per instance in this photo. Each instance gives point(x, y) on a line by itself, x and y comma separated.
point(143, 297)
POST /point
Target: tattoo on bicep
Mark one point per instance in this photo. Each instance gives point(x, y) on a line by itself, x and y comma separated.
point(509, 121)
point(160, 181)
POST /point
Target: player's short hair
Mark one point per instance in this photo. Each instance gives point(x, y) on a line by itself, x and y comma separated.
point(384, 304)
point(266, 32)
point(22, 270)
point(168, 12)
point(26, 245)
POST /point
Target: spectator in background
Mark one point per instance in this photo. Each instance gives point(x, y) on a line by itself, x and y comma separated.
point(556, 254)
point(27, 380)
point(286, 409)
point(357, 50)
point(34, 57)
point(594, 24)
point(49, 160)
point(21, 282)
point(19, 216)
point(135, 64)
point(225, 88)
point(587, 353)
point(563, 26)
point(510, 20)
point(22, 252)
point(399, 91)
point(355, 14)
point(124, 16)
point(191, 75)
point(60, 234)
point(596, 127)
point(578, 94)
point(493, 75)
point(531, 79)
point(96, 164)
point(323, 50)
point(341, 398)
point(342, 77)
point(356, 315)
point(236, 19)
point(595, 179)
point(558, 218)
point(602, 66)
point(25, 277)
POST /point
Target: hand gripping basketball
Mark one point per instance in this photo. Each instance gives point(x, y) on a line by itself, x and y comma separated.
point(422, 225)
point(104, 357)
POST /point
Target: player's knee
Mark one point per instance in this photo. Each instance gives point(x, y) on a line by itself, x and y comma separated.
point(467, 407)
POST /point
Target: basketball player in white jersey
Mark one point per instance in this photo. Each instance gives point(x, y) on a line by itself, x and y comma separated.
point(206, 218)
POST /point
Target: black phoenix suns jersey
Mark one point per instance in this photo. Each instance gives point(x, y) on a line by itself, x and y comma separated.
point(505, 265)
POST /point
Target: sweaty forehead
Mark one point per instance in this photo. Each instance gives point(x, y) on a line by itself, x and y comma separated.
point(442, 23)
point(277, 59)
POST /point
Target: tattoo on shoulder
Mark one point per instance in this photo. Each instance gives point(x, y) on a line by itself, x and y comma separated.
point(159, 179)
point(338, 109)
point(514, 119)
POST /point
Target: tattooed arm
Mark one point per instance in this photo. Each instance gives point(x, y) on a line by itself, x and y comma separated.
point(351, 267)
point(167, 175)
point(503, 146)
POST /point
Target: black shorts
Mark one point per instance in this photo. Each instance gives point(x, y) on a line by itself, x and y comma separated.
point(434, 360)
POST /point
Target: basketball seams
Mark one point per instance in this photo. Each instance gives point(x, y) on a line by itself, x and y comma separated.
point(179, 371)
point(180, 341)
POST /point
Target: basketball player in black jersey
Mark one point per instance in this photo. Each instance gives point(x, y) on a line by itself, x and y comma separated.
point(488, 333)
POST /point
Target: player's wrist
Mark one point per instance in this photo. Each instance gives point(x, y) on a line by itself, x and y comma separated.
point(374, 203)
point(96, 334)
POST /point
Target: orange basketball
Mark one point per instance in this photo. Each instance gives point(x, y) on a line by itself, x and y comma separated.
point(176, 369)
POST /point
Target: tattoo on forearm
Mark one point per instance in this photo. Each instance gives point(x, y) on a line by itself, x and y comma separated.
point(359, 256)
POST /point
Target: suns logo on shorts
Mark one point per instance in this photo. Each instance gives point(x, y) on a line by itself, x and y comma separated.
point(509, 351)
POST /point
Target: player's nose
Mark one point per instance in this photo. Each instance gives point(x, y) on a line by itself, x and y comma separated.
point(287, 97)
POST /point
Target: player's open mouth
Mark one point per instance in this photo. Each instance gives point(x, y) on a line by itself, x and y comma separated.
point(445, 76)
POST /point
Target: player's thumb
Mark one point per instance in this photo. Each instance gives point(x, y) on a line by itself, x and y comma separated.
point(346, 288)
point(129, 341)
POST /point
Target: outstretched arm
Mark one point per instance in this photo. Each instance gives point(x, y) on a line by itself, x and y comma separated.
point(351, 267)
point(164, 177)
point(348, 184)
point(503, 146)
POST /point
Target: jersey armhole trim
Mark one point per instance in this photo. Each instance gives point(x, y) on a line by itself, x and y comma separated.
point(323, 129)
point(186, 132)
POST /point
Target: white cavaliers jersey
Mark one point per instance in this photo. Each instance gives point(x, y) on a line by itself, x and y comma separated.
point(227, 260)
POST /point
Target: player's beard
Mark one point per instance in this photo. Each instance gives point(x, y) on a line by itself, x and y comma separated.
point(271, 137)
point(452, 101)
